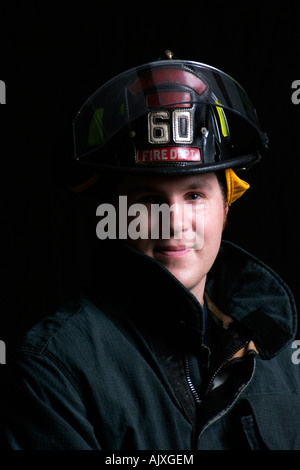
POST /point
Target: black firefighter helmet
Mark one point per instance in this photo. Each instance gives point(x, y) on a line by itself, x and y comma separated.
point(168, 117)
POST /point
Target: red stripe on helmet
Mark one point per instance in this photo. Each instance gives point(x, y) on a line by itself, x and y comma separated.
point(156, 77)
point(169, 98)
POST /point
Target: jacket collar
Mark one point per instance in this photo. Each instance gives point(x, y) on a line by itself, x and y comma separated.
point(239, 285)
point(250, 292)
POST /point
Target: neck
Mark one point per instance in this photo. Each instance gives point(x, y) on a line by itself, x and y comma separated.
point(198, 290)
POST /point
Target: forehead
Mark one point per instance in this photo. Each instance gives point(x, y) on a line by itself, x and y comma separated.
point(167, 184)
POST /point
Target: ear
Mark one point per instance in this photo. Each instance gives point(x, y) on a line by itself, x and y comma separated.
point(226, 210)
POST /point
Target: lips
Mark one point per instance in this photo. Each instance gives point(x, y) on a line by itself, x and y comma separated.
point(173, 251)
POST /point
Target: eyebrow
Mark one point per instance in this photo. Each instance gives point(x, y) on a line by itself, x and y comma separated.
point(153, 188)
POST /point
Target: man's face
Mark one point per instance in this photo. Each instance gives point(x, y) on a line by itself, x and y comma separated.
point(199, 197)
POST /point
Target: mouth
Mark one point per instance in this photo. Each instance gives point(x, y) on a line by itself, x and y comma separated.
point(173, 251)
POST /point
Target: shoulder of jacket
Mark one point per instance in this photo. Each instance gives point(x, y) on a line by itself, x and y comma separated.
point(73, 320)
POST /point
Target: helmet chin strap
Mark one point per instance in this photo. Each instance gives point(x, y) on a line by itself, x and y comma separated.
point(235, 186)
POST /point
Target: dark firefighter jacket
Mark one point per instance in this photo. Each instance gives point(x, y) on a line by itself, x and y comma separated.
point(136, 363)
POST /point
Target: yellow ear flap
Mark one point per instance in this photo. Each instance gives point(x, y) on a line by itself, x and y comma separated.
point(235, 186)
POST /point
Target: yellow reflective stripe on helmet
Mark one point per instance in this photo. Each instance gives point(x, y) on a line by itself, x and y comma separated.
point(222, 118)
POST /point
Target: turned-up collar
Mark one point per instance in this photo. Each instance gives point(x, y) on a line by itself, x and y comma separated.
point(250, 292)
point(242, 287)
point(134, 284)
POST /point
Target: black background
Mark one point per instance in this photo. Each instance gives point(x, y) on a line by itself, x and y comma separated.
point(54, 57)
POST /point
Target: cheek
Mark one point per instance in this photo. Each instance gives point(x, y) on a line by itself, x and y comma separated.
point(214, 223)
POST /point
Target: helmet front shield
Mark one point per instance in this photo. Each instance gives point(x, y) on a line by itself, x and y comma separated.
point(169, 117)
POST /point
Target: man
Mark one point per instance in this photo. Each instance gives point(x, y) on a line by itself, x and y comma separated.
point(181, 341)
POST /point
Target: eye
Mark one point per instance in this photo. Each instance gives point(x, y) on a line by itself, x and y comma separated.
point(195, 197)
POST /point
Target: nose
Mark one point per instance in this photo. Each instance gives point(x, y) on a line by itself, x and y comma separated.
point(180, 219)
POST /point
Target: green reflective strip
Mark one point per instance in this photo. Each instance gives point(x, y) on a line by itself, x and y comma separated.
point(122, 110)
point(95, 135)
point(222, 120)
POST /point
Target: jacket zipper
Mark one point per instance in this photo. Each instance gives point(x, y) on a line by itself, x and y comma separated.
point(189, 380)
point(208, 388)
point(229, 407)
point(223, 364)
